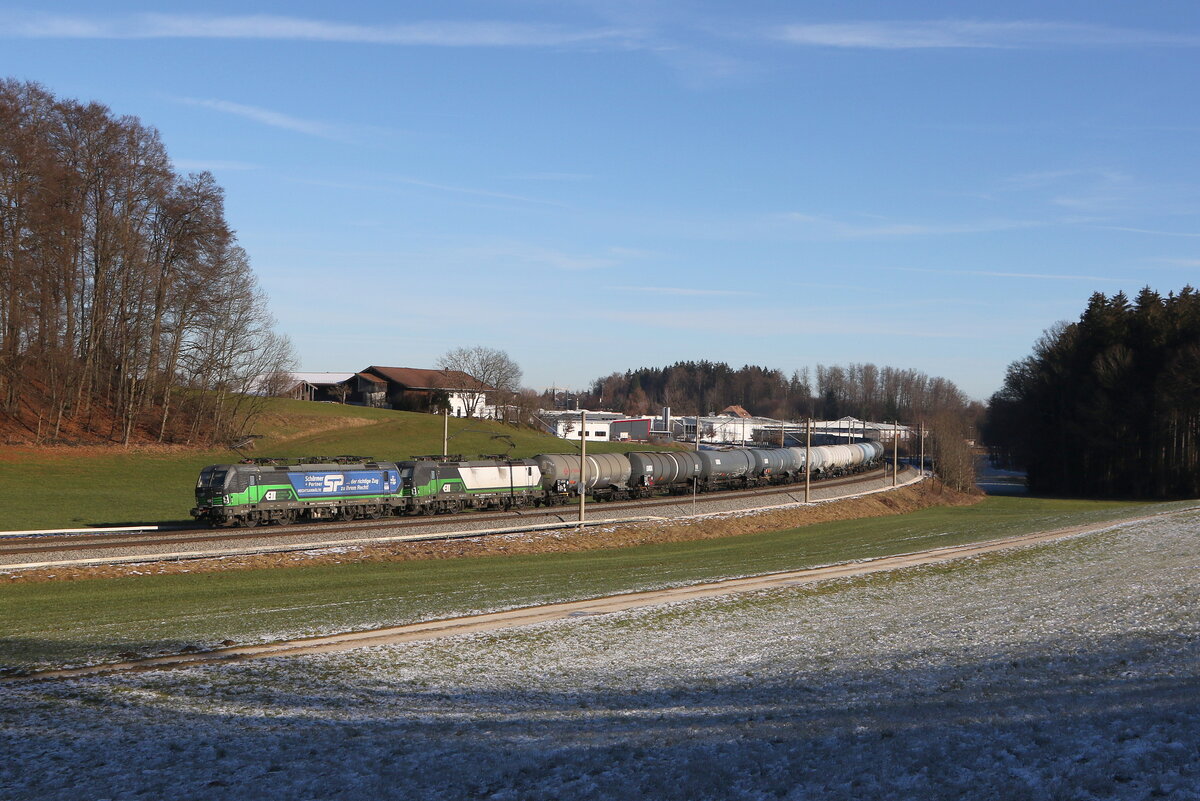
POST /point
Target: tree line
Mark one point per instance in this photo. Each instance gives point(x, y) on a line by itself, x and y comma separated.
point(865, 391)
point(1108, 406)
point(127, 306)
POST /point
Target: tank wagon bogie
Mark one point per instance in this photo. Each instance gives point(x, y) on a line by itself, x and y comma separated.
point(265, 492)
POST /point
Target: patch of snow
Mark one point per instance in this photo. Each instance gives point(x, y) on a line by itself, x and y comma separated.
point(1068, 671)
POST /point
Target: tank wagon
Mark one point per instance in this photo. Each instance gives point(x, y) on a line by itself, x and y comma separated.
point(663, 469)
point(607, 474)
point(346, 488)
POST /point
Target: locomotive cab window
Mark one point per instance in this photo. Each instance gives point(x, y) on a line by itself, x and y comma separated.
point(211, 478)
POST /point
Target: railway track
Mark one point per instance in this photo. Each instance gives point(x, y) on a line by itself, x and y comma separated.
point(17, 551)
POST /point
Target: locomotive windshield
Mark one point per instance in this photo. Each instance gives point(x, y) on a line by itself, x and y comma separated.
point(212, 478)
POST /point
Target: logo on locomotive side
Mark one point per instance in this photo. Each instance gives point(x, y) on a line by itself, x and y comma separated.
point(334, 482)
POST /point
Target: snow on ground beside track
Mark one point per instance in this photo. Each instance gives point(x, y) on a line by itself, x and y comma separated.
point(1070, 671)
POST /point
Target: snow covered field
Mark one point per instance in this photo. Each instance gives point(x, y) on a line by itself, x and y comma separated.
point(1070, 671)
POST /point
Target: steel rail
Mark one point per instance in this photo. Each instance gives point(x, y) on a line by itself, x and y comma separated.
point(70, 531)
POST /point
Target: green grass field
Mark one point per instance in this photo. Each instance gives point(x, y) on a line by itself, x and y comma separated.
point(82, 621)
point(73, 487)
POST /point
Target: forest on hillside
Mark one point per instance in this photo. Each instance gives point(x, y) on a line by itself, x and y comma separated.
point(865, 391)
point(1108, 406)
point(127, 307)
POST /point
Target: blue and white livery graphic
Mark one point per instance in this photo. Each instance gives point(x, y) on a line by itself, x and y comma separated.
point(353, 482)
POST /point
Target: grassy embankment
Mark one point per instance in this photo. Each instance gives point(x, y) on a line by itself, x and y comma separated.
point(82, 621)
point(78, 487)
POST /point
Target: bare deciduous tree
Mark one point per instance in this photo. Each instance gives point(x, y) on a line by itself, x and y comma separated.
point(951, 453)
point(118, 278)
point(479, 371)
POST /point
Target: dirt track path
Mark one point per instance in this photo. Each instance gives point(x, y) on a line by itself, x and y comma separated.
point(585, 608)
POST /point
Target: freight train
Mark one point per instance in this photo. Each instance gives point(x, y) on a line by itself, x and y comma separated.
point(348, 488)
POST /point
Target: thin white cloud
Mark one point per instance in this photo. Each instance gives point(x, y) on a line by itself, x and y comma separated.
point(392, 188)
point(925, 34)
point(799, 322)
point(549, 176)
point(705, 69)
point(1094, 189)
point(684, 291)
point(521, 254)
point(466, 190)
point(825, 226)
point(997, 274)
point(1188, 234)
point(1050, 178)
point(1089, 202)
point(203, 165)
point(272, 118)
point(449, 33)
point(633, 253)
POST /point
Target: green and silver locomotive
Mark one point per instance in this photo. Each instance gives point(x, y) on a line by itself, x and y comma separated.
point(434, 486)
point(347, 488)
point(263, 491)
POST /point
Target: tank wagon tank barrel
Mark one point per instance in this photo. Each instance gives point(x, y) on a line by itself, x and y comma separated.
point(663, 469)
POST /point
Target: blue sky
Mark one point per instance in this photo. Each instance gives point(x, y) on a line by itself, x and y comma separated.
point(597, 186)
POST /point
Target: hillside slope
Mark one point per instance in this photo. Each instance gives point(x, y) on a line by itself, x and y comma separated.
point(64, 486)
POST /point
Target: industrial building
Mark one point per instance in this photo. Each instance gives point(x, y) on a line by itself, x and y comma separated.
point(734, 426)
point(601, 426)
